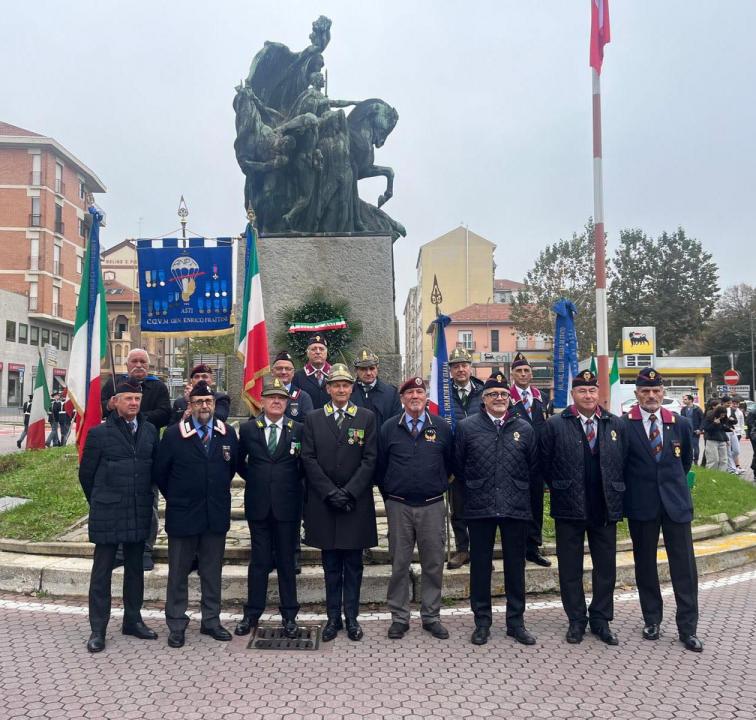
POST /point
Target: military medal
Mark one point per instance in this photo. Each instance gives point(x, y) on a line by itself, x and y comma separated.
point(360, 435)
point(227, 453)
point(614, 435)
point(350, 434)
point(516, 436)
point(294, 409)
point(430, 434)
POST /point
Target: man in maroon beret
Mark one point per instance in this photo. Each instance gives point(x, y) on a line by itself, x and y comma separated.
point(200, 373)
point(414, 464)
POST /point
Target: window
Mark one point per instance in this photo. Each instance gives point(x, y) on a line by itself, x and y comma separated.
point(45, 337)
point(34, 335)
point(494, 341)
point(59, 219)
point(23, 333)
point(465, 339)
point(82, 228)
point(121, 327)
point(82, 190)
point(79, 264)
point(55, 342)
point(57, 267)
point(33, 289)
point(10, 331)
point(56, 308)
point(35, 219)
point(36, 178)
point(109, 275)
point(59, 187)
point(64, 341)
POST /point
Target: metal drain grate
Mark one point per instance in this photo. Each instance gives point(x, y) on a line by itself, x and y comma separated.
point(271, 637)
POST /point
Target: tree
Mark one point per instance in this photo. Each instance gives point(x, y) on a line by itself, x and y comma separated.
point(564, 269)
point(670, 283)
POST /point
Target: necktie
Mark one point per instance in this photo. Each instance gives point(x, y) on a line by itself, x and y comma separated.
point(654, 437)
point(590, 434)
point(463, 395)
point(133, 427)
point(339, 418)
point(319, 377)
point(414, 432)
point(205, 437)
point(272, 438)
point(526, 401)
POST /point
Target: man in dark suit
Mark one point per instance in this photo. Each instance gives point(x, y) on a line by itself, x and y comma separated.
point(115, 474)
point(370, 392)
point(695, 417)
point(299, 403)
point(528, 404)
point(269, 462)
point(339, 451)
point(200, 373)
point(466, 395)
point(313, 376)
point(658, 457)
point(196, 463)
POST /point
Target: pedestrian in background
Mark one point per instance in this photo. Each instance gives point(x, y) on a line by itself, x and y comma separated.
point(27, 414)
point(715, 435)
point(695, 417)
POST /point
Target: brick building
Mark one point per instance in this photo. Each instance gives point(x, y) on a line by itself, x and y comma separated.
point(43, 233)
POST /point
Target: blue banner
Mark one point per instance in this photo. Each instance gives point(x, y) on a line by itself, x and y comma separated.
point(440, 384)
point(565, 351)
point(186, 286)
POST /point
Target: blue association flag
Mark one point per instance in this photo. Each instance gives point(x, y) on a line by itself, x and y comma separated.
point(440, 401)
point(565, 351)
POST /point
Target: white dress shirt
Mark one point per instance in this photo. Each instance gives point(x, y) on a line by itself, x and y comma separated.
point(279, 428)
point(647, 423)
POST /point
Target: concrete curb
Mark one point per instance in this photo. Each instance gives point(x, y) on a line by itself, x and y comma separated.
point(69, 576)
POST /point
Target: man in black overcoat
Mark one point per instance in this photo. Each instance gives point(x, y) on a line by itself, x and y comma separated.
point(116, 474)
point(269, 461)
point(657, 496)
point(313, 376)
point(195, 465)
point(181, 409)
point(372, 393)
point(581, 458)
point(527, 403)
point(339, 450)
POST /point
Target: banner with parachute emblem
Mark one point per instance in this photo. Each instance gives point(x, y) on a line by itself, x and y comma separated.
point(186, 286)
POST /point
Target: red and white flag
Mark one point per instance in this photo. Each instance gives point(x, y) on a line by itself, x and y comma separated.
point(90, 341)
point(35, 434)
point(253, 336)
point(600, 34)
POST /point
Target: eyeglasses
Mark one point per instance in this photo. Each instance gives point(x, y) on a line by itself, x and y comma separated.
point(208, 401)
point(497, 395)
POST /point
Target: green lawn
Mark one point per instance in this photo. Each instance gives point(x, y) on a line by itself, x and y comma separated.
point(49, 478)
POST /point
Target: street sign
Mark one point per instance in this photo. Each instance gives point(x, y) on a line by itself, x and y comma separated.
point(743, 391)
point(731, 377)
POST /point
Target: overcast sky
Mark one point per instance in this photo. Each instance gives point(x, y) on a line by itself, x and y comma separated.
point(494, 101)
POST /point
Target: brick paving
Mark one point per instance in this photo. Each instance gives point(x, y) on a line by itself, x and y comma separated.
point(45, 670)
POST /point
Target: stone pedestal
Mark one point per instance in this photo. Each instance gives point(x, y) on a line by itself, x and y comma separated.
point(356, 266)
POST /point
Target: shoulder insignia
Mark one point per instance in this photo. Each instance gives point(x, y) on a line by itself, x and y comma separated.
point(351, 410)
point(295, 393)
point(187, 429)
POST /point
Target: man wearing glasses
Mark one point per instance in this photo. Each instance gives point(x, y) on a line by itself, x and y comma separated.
point(494, 454)
point(196, 462)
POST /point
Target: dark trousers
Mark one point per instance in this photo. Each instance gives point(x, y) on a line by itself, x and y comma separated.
point(343, 578)
point(271, 539)
point(100, 581)
point(482, 538)
point(208, 548)
point(535, 529)
point(602, 541)
point(678, 542)
point(458, 523)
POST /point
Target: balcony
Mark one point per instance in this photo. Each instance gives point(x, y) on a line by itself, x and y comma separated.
point(33, 304)
point(57, 310)
point(35, 177)
point(36, 263)
point(35, 220)
point(57, 267)
point(60, 187)
point(60, 227)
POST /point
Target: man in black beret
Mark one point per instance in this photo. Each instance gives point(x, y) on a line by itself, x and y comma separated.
point(115, 474)
point(415, 456)
point(196, 463)
point(659, 456)
point(581, 460)
point(200, 373)
point(494, 455)
point(313, 376)
point(299, 402)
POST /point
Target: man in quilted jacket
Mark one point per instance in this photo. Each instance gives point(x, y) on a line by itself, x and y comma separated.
point(495, 452)
point(581, 459)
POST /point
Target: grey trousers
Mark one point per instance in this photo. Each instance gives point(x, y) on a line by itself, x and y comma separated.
point(425, 526)
point(208, 548)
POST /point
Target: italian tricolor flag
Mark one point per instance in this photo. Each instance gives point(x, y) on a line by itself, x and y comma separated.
point(90, 341)
point(35, 435)
point(615, 400)
point(253, 337)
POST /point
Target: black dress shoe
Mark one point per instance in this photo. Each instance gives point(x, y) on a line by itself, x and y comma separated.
point(536, 557)
point(457, 560)
point(397, 630)
point(651, 632)
point(480, 635)
point(354, 631)
point(437, 630)
point(605, 634)
point(96, 642)
point(575, 633)
point(290, 629)
point(139, 630)
point(521, 635)
point(218, 632)
point(245, 626)
point(692, 643)
point(331, 629)
point(176, 638)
